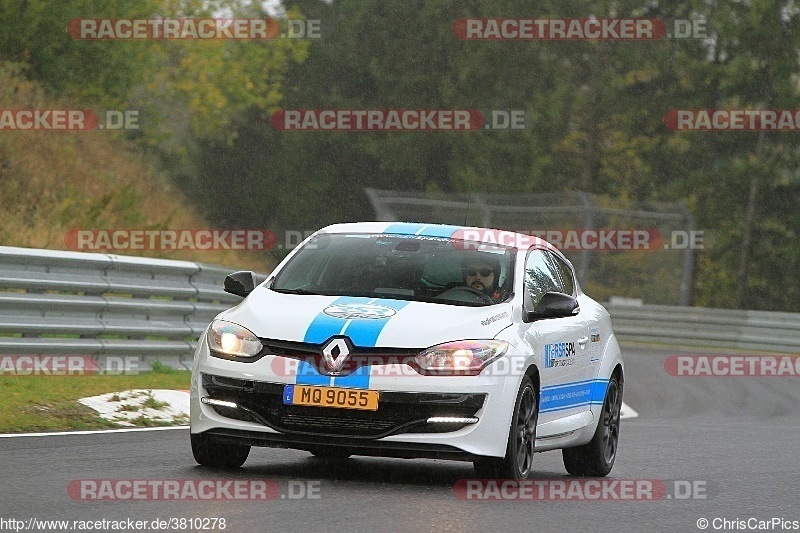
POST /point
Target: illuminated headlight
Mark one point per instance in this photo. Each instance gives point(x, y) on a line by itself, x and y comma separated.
point(232, 339)
point(461, 357)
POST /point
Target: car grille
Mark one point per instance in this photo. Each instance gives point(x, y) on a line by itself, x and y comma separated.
point(359, 356)
point(398, 412)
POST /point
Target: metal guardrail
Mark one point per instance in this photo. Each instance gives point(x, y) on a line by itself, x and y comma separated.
point(100, 305)
point(764, 331)
point(103, 305)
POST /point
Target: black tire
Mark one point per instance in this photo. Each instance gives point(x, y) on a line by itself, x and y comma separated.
point(209, 451)
point(330, 453)
point(596, 458)
point(518, 461)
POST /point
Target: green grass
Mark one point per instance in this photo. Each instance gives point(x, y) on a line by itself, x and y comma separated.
point(143, 421)
point(50, 403)
point(151, 403)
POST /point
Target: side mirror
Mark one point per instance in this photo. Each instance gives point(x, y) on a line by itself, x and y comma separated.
point(552, 305)
point(242, 283)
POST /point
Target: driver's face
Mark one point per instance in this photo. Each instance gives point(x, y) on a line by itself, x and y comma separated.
point(479, 276)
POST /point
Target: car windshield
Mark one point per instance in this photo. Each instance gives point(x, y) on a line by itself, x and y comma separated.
point(406, 267)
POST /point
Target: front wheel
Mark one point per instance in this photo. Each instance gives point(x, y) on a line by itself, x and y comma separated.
point(209, 451)
point(596, 458)
point(518, 460)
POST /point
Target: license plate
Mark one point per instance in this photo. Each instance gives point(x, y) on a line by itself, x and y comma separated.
point(342, 398)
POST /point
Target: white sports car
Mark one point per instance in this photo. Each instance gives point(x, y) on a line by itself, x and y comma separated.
point(412, 340)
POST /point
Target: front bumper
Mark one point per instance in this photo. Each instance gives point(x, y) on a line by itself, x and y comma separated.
point(377, 448)
point(414, 418)
point(400, 412)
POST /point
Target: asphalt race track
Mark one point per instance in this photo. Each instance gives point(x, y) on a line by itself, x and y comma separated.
point(734, 438)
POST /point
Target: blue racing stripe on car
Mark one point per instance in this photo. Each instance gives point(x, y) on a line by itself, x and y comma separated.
point(427, 230)
point(323, 327)
point(308, 375)
point(363, 333)
point(569, 395)
point(404, 228)
point(357, 380)
point(440, 231)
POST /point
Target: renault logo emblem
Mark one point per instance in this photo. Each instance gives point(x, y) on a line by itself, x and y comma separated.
point(335, 353)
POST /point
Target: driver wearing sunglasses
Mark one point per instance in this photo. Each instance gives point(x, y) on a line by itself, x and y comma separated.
point(481, 275)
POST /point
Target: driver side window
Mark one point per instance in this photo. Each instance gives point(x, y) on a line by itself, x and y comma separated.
point(541, 275)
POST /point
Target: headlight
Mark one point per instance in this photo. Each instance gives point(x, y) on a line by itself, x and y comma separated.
point(466, 358)
point(228, 338)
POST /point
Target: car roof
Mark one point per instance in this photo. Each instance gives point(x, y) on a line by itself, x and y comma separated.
point(520, 241)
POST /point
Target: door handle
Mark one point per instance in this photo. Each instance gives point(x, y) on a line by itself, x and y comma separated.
point(582, 341)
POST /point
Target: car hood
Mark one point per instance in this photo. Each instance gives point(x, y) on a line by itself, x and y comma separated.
point(369, 322)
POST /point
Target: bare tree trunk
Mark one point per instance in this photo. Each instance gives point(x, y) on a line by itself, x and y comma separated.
point(589, 170)
point(747, 231)
point(590, 157)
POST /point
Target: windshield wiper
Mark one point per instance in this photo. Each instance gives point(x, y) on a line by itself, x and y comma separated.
point(296, 291)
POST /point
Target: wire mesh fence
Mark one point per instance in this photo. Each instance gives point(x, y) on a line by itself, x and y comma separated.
point(619, 248)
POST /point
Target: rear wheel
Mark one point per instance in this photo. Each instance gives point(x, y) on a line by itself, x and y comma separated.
point(208, 450)
point(518, 460)
point(596, 458)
